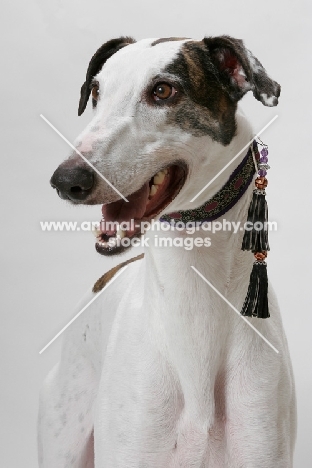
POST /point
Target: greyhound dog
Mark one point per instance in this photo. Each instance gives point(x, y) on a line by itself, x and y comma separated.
point(159, 372)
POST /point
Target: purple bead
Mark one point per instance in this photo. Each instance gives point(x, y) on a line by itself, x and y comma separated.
point(262, 173)
point(264, 152)
point(263, 160)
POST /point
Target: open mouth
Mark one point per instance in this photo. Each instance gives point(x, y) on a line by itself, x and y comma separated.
point(143, 205)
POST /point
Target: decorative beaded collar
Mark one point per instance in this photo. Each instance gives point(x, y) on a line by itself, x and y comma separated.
point(225, 198)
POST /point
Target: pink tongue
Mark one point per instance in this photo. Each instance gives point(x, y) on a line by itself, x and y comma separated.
point(125, 211)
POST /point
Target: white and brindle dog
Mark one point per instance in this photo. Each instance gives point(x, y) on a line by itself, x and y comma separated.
point(159, 372)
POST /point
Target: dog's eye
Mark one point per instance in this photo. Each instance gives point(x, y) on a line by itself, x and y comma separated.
point(95, 92)
point(163, 91)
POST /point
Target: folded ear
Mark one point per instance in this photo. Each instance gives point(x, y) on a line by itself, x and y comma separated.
point(96, 64)
point(239, 71)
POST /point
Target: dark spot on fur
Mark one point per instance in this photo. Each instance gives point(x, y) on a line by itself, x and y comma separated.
point(85, 336)
point(80, 417)
point(167, 39)
point(206, 108)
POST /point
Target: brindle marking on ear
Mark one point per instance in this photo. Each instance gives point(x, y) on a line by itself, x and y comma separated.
point(228, 49)
point(168, 39)
point(96, 64)
point(206, 108)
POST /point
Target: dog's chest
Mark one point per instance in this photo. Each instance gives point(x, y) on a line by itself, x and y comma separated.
point(159, 371)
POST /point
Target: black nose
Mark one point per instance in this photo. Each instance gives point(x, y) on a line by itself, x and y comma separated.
point(73, 183)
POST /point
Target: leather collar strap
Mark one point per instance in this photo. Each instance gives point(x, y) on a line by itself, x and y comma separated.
point(225, 198)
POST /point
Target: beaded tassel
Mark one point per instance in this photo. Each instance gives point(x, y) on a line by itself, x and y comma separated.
point(256, 236)
point(256, 240)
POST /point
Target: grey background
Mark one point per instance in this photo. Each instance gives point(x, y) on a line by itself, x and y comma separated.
point(46, 47)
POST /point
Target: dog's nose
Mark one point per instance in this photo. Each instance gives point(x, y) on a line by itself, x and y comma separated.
point(73, 183)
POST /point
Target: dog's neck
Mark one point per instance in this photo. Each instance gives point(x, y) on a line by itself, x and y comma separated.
point(185, 310)
point(223, 260)
point(220, 256)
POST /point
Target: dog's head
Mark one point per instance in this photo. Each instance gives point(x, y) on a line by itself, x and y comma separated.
point(163, 112)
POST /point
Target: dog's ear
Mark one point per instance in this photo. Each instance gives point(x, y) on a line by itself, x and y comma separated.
point(96, 64)
point(239, 71)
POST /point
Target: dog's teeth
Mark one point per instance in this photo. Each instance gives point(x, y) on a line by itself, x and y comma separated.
point(96, 232)
point(159, 178)
point(112, 242)
point(153, 190)
point(120, 233)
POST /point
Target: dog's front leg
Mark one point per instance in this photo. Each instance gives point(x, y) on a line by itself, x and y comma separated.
point(260, 415)
point(66, 401)
point(65, 419)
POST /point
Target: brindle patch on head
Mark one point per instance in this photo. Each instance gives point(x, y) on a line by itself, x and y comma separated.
point(206, 108)
point(167, 39)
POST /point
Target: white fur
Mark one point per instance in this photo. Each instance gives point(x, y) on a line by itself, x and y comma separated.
point(269, 100)
point(162, 369)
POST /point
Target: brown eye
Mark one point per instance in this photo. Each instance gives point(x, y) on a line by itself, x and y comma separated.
point(163, 91)
point(95, 92)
